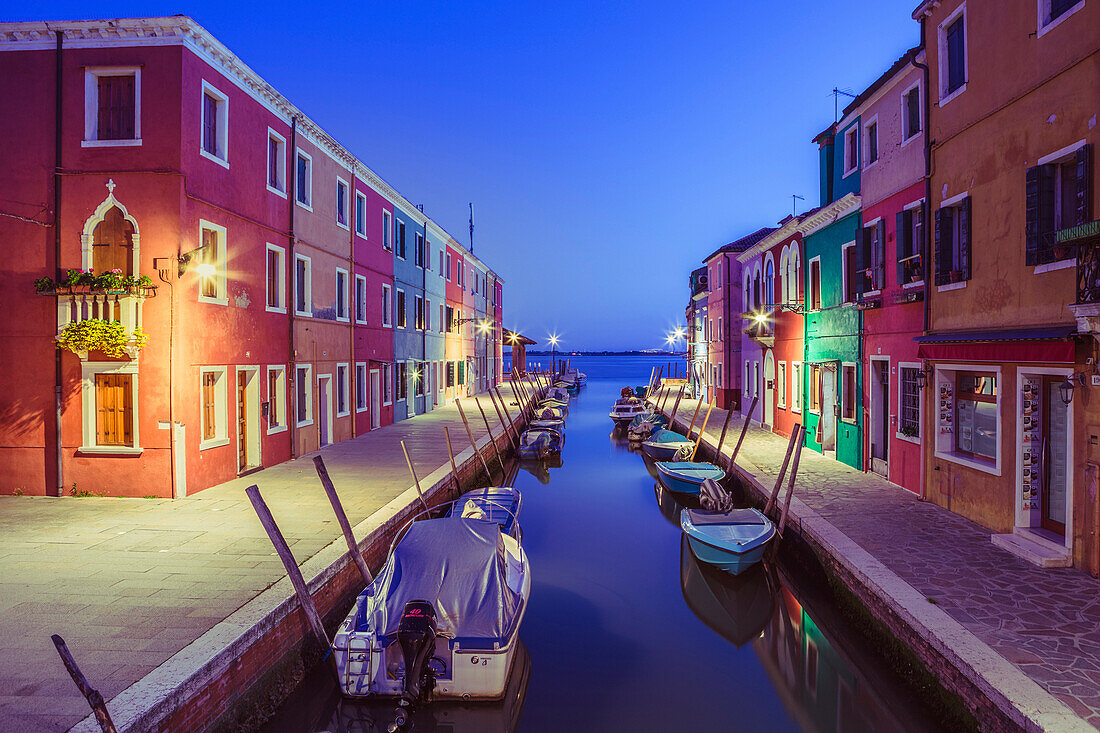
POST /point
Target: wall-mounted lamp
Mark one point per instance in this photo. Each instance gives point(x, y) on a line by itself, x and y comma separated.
point(922, 377)
point(204, 269)
point(1069, 384)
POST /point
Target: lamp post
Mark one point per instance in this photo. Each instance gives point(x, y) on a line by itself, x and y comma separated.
point(553, 338)
point(671, 339)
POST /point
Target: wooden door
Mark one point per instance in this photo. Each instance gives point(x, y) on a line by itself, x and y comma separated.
point(242, 420)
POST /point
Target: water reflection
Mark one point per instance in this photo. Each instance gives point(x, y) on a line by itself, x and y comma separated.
point(541, 469)
point(737, 607)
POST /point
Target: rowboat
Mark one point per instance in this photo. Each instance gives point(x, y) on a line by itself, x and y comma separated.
point(685, 477)
point(732, 541)
point(665, 445)
point(540, 443)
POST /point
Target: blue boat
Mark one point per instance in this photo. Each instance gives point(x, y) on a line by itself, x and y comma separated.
point(499, 504)
point(733, 541)
point(686, 477)
point(663, 445)
point(539, 443)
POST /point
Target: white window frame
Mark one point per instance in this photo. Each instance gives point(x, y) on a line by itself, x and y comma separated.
point(360, 215)
point(360, 302)
point(281, 308)
point(346, 305)
point(221, 405)
point(221, 274)
point(841, 392)
point(387, 379)
point(308, 300)
point(427, 314)
point(912, 206)
point(866, 142)
point(300, 154)
point(844, 273)
point(1043, 22)
point(781, 384)
point(362, 380)
point(345, 382)
point(851, 166)
point(387, 305)
point(796, 396)
point(308, 368)
point(941, 46)
point(810, 291)
point(387, 230)
point(900, 403)
point(341, 183)
point(279, 399)
point(420, 251)
point(89, 370)
point(907, 136)
point(1064, 155)
point(221, 109)
point(418, 299)
point(945, 373)
point(404, 313)
point(280, 167)
point(91, 106)
point(449, 267)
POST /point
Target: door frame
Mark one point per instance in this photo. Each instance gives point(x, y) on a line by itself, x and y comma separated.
point(877, 393)
point(253, 444)
point(375, 398)
point(768, 415)
point(1024, 517)
point(324, 406)
point(829, 406)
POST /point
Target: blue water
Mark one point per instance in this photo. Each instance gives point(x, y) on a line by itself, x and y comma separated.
point(627, 631)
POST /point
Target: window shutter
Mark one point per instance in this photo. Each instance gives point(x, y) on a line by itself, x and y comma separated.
point(904, 246)
point(1084, 177)
point(878, 257)
point(943, 246)
point(1031, 208)
point(964, 238)
point(125, 107)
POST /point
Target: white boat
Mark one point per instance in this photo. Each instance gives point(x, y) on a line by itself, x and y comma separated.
point(441, 620)
point(626, 409)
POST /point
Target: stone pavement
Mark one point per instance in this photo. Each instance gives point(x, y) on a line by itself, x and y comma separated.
point(1044, 621)
point(129, 582)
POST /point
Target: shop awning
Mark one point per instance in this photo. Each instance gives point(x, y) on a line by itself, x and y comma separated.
point(1042, 344)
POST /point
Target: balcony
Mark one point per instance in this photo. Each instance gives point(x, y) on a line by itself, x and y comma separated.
point(113, 300)
point(759, 328)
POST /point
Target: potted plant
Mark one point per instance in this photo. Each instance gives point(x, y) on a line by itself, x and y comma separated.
point(44, 285)
point(910, 431)
point(94, 334)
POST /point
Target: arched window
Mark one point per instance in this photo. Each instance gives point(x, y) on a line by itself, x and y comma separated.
point(783, 286)
point(793, 279)
point(769, 283)
point(756, 289)
point(113, 243)
point(748, 293)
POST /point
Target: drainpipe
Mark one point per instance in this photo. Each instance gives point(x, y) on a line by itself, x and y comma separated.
point(57, 254)
point(353, 374)
point(292, 269)
point(425, 261)
point(926, 244)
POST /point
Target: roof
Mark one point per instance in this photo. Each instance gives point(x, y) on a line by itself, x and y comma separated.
point(511, 337)
point(740, 245)
point(905, 60)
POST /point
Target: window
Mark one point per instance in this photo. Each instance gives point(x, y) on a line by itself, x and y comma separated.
point(1058, 197)
point(276, 163)
point(211, 264)
point(342, 403)
point(360, 299)
point(419, 375)
point(781, 383)
point(442, 319)
point(872, 143)
point(427, 315)
point(418, 312)
point(303, 395)
point(909, 394)
point(360, 214)
point(871, 258)
point(976, 414)
point(450, 319)
point(387, 310)
point(755, 378)
point(796, 386)
point(450, 374)
point(853, 278)
point(276, 399)
point(447, 273)
point(276, 278)
point(851, 149)
point(953, 242)
point(462, 372)
point(114, 410)
point(815, 284)
point(215, 125)
point(215, 428)
point(303, 286)
point(112, 106)
point(910, 242)
point(911, 113)
point(303, 181)
point(718, 334)
point(342, 203)
point(341, 294)
point(951, 37)
point(793, 287)
point(360, 387)
point(815, 388)
point(459, 273)
point(1053, 10)
point(849, 397)
point(441, 268)
point(400, 308)
point(387, 231)
point(420, 254)
point(399, 239)
point(400, 384)
point(387, 384)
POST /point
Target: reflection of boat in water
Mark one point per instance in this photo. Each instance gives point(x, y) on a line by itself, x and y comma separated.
point(738, 607)
point(451, 717)
point(666, 502)
point(541, 469)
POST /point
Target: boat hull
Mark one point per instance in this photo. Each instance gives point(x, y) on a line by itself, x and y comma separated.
point(685, 485)
point(731, 562)
point(663, 451)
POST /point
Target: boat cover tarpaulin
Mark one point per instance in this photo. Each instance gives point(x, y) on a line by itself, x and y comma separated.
point(458, 566)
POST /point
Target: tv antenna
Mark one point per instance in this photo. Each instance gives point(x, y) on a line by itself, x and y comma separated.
point(471, 227)
point(836, 106)
point(795, 198)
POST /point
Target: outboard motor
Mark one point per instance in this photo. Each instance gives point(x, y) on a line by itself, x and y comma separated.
point(416, 634)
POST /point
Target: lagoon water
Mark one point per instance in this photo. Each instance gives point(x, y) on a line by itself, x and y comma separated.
point(626, 631)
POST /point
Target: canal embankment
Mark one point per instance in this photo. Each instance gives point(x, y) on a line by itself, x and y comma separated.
point(178, 611)
point(1017, 644)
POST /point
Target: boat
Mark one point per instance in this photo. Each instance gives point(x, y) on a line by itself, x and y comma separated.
point(644, 425)
point(556, 404)
point(640, 391)
point(685, 477)
point(500, 504)
point(557, 393)
point(549, 412)
point(732, 541)
point(540, 443)
point(665, 445)
point(626, 409)
point(575, 377)
point(737, 607)
point(442, 618)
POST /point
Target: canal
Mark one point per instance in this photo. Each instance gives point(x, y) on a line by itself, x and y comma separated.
point(626, 631)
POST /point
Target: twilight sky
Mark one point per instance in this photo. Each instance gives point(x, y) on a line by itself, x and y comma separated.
point(607, 147)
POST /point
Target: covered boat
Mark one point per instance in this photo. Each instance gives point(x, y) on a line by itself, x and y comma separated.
point(500, 504)
point(732, 541)
point(685, 477)
point(644, 425)
point(626, 409)
point(549, 412)
point(441, 619)
point(665, 445)
point(540, 443)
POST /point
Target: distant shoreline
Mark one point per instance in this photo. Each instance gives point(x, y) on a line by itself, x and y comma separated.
point(664, 354)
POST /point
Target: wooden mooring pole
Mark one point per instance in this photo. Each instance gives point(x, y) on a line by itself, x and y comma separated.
point(492, 440)
point(504, 406)
point(470, 434)
point(790, 488)
point(95, 700)
point(744, 429)
point(722, 439)
point(416, 479)
point(701, 431)
point(675, 407)
point(500, 416)
point(783, 469)
point(451, 455)
point(698, 404)
point(342, 519)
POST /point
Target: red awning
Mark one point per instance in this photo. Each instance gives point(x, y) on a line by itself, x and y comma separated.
point(1036, 351)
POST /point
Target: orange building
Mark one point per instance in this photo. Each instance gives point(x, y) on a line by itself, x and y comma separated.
point(1009, 371)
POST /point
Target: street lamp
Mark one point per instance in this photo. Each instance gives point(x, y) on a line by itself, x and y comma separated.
point(553, 352)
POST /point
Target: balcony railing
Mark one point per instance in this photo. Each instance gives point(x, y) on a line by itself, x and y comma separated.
point(1088, 274)
point(912, 269)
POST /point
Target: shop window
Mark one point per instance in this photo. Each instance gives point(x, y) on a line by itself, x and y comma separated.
point(976, 414)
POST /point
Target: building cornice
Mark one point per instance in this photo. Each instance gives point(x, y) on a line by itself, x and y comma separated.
point(791, 227)
point(925, 9)
point(826, 215)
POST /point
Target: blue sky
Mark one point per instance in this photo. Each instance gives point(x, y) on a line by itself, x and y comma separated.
point(607, 147)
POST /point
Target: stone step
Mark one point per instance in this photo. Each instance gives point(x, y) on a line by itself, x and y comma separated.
point(1035, 550)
